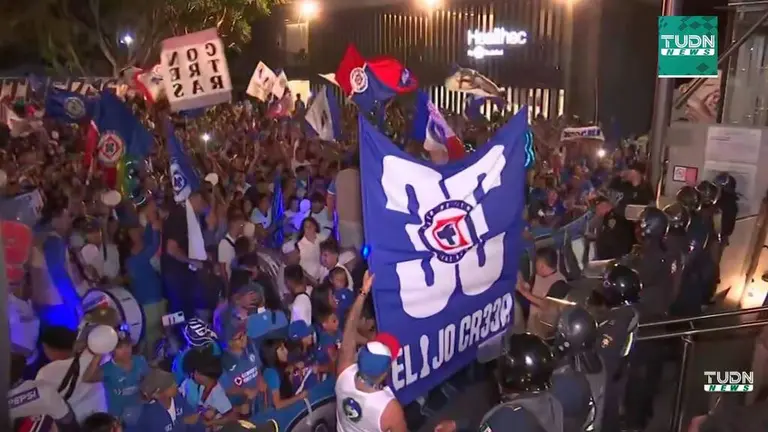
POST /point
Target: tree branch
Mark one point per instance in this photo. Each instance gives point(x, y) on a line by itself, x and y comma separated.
point(94, 8)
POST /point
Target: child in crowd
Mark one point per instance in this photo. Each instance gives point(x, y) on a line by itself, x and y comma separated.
point(328, 340)
point(302, 367)
point(241, 364)
point(165, 410)
point(343, 296)
point(202, 389)
point(121, 376)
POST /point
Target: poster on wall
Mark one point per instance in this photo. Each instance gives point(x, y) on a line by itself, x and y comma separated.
point(745, 175)
point(733, 144)
point(195, 71)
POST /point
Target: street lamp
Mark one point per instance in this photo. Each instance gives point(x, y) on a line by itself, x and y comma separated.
point(127, 40)
point(308, 10)
point(205, 137)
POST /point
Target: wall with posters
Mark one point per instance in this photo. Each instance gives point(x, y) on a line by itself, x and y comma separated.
point(20, 88)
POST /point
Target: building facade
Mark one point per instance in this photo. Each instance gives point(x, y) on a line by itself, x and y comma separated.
point(520, 45)
point(595, 59)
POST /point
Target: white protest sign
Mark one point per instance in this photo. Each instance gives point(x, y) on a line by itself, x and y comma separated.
point(195, 72)
point(589, 132)
point(262, 81)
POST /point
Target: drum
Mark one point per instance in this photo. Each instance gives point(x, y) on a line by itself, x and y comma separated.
point(123, 302)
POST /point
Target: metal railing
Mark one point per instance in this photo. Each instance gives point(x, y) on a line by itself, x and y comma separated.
point(686, 336)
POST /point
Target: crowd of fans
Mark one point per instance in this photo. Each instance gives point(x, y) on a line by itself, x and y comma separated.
point(281, 219)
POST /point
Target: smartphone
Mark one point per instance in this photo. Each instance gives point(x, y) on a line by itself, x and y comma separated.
point(173, 319)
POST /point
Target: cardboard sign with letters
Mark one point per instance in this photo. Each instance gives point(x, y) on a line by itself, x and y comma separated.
point(195, 71)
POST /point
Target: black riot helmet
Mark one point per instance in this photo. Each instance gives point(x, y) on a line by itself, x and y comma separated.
point(621, 285)
point(690, 198)
point(575, 332)
point(710, 193)
point(653, 224)
point(726, 182)
point(526, 364)
point(678, 217)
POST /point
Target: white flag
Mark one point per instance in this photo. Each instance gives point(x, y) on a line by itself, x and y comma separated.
point(262, 81)
point(280, 85)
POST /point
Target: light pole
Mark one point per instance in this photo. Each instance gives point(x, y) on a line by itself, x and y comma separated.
point(662, 110)
point(568, 57)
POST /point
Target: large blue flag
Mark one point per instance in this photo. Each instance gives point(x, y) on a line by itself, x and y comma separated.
point(446, 244)
point(68, 106)
point(278, 212)
point(120, 132)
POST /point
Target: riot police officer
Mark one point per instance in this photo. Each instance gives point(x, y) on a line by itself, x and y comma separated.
point(728, 204)
point(710, 195)
point(615, 235)
point(524, 376)
point(655, 265)
point(676, 240)
point(616, 333)
point(580, 379)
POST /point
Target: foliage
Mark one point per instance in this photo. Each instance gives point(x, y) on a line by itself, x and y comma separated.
point(84, 37)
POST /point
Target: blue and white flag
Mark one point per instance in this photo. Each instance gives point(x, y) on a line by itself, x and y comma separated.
point(324, 115)
point(184, 180)
point(446, 248)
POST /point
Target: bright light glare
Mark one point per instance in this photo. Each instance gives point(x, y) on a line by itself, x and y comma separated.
point(309, 9)
point(431, 4)
point(205, 137)
point(601, 153)
point(127, 39)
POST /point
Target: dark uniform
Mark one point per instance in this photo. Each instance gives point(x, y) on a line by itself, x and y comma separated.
point(677, 243)
point(641, 194)
point(615, 237)
point(616, 334)
point(579, 382)
point(524, 374)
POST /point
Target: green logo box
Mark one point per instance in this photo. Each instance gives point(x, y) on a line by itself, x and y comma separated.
point(688, 47)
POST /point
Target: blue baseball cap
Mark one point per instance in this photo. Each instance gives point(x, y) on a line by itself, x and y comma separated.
point(375, 358)
point(298, 330)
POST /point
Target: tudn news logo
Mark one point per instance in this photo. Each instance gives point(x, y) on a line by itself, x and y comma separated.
point(729, 382)
point(687, 47)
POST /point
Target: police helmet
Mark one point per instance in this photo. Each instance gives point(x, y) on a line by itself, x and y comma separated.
point(677, 216)
point(710, 193)
point(621, 285)
point(576, 330)
point(726, 182)
point(526, 365)
point(653, 223)
point(690, 198)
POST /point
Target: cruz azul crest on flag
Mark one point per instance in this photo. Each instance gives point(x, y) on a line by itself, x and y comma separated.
point(446, 243)
point(110, 148)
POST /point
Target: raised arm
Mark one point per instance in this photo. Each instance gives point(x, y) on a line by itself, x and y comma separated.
point(347, 352)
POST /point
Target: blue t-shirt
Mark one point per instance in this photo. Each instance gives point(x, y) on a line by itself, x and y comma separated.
point(145, 282)
point(122, 388)
point(325, 343)
point(240, 371)
point(303, 378)
point(178, 363)
point(155, 418)
point(272, 380)
point(344, 300)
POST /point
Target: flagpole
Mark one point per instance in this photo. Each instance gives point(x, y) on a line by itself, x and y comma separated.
point(662, 111)
point(5, 346)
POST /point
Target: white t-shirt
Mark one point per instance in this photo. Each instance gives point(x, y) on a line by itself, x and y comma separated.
point(227, 252)
point(258, 218)
point(93, 256)
point(309, 256)
point(87, 398)
point(36, 398)
point(301, 308)
point(324, 220)
point(24, 325)
point(344, 258)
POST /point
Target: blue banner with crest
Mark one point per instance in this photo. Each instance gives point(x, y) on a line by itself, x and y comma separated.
point(447, 243)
